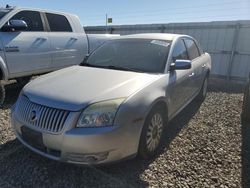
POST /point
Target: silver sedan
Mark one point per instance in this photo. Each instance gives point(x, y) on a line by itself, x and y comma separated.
point(114, 105)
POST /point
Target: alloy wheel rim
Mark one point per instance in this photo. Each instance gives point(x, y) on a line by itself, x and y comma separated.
point(154, 132)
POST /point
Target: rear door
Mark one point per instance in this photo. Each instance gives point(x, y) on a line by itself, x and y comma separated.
point(27, 51)
point(180, 80)
point(197, 64)
point(66, 45)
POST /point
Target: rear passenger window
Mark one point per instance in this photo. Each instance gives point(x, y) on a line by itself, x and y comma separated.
point(199, 48)
point(192, 49)
point(180, 51)
point(58, 23)
point(32, 19)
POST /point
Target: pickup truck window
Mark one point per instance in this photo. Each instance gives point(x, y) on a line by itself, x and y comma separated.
point(3, 12)
point(58, 23)
point(192, 49)
point(141, 55)
point(180, 51)
point(32, 18)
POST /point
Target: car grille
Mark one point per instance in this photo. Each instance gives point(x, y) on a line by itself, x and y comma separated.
point(42, 117)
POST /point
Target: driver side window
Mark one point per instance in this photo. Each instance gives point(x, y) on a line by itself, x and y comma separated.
point(32, 19)
point(180, 51)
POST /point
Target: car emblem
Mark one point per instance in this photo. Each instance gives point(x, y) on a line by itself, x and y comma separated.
point(33, 115)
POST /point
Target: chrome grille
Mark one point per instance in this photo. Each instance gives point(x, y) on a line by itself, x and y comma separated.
point(42, 117)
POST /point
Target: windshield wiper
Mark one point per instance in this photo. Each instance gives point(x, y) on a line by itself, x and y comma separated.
point(110, 67)
point(91, 65)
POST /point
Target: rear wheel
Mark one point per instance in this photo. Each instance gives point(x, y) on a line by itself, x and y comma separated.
point(203, 92)
point(152, 133)
point(246, 104)
point(2, 94)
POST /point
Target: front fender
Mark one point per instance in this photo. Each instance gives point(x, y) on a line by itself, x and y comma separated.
point(141, 102)
point(133, 112)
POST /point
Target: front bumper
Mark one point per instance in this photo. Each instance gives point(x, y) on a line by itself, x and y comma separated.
point(84, 145)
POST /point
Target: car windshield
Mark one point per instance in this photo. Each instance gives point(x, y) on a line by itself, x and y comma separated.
point(3, 12)
point(139, 55)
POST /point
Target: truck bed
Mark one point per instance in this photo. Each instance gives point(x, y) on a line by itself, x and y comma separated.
point(95, 40)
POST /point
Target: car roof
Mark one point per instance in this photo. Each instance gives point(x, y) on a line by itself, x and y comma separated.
point(153, 36)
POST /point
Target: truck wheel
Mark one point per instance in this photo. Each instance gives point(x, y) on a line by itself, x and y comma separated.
point(151, 135)
point(203, 92)
point(246, 104)
point(2, 95)
point(23, 81)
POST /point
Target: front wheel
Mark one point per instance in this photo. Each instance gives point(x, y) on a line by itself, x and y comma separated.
point(152, 133)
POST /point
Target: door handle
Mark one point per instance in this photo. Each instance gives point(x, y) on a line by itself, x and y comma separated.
point(191, 75)
point(204, 65)
point(41, 39)
point(73, 38)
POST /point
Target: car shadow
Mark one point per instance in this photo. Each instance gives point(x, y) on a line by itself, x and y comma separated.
point(222, 85)
point(245, 154)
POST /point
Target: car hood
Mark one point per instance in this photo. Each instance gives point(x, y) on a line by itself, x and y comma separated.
point(76, 87)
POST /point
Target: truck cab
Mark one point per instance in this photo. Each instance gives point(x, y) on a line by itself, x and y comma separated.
point(37, 41)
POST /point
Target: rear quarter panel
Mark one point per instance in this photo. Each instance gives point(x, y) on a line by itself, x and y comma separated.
point(208, 61)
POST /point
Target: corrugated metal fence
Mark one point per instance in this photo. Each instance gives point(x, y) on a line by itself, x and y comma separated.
point(227, 42)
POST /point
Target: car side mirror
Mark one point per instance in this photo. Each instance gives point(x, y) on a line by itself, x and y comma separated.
point(15, 25)
point(181, 64)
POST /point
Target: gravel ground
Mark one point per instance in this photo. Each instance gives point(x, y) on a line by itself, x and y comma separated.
point(205, 146)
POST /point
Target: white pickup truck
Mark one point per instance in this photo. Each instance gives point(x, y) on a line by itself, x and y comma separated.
point(35, 41)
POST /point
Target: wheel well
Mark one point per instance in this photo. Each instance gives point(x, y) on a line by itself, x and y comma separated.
point(162, 105)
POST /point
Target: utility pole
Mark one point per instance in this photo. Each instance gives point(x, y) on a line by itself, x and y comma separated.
point(106, 23)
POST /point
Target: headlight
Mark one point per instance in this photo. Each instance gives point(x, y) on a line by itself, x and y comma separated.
point(99, 114)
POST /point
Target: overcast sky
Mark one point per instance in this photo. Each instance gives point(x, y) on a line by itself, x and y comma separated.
point(147, 11)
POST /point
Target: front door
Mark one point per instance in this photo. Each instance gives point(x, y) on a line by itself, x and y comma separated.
point(197, 65)
point(180, 81)
point(27, 51)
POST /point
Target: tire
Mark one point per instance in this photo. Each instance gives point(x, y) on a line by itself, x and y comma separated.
point(246, 105)
point(203, 92)
point(23, 81)
point(2, 95)
point(152, 132)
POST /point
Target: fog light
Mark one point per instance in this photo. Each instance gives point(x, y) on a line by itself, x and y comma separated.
point(87, 158)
